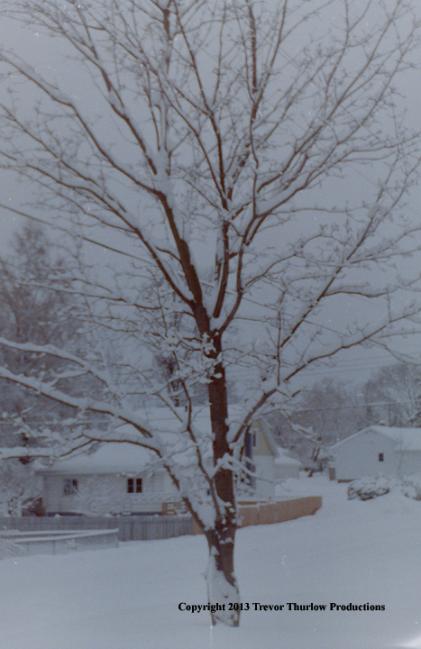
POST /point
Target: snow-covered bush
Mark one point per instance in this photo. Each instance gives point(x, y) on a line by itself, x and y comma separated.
point(368, 488)
point(411, 487)
point(8, 548)
point(18, 485)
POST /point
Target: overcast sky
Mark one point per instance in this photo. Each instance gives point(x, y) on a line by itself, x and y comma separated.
point(48, 56)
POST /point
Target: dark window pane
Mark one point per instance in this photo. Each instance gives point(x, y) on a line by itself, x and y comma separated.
point(70, 487)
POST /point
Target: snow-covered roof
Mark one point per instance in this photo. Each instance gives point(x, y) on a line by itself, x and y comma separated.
point(406, 439)
point(281, 455)
point(107, 458)
point(14, 452)
point(125, 457)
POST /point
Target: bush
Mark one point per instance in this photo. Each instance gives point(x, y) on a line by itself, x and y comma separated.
point(411, 487)
point(369, 488)
point(8, 548)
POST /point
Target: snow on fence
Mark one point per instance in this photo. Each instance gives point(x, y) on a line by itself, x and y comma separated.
point(57, 542)
point(130, 528)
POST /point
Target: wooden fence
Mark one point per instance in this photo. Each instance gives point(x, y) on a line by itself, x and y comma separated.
point(142, 528)
point(131, 528)
point(275, 512)
point(279, 512)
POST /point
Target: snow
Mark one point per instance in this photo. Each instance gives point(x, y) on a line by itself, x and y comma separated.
point(283, 458)
point(127, 598)
point(108, 458)
point(13, 452)
point(408, 439)
point(123, 457)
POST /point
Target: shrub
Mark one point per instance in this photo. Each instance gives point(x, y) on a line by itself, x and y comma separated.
point(369, 488)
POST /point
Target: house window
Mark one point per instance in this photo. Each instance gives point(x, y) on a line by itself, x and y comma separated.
point(70, 487)
point(381, 457)
point(134, 485)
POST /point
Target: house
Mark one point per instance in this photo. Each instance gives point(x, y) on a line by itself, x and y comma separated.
point(269, 462)
point(118, 478)
point(384, 450)
point(112, 479)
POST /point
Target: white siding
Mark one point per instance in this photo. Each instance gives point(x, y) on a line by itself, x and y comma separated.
point(410, 462)
point(358, 456)
point(265, 488)
point(284, 471)
point(103, 494)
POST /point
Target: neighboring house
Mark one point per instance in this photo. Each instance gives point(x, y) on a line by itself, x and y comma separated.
point(112, 479)
point(117, 478)
point(377, 450)
point(269, 462)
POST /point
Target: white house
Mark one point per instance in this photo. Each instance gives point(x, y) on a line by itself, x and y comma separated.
point(270, 463)
point(384, 450)
point(117, 478)
point(112, 479)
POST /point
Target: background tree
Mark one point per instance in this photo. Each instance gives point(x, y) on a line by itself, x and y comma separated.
point(32, 309)
point(205, 140)
point(320, 416)
point(393, 396)
point(35, 307)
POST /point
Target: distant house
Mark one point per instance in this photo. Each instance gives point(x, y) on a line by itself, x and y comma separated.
point(117, 478)
point(377, 450)
point(270, 463)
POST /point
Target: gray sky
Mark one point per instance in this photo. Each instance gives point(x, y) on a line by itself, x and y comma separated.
point(42, 53)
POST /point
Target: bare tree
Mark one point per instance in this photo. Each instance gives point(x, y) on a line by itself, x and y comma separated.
point(32, 310)
point(332, 409)
point(393, 396)
point(207, 161)
point(29, 312)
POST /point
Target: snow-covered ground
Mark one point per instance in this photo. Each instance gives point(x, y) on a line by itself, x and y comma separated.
point(127, 598)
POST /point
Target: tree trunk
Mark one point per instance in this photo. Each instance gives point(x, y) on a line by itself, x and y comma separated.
point(223, 592)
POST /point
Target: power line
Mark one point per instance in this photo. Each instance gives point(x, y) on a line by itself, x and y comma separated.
point(356, 407)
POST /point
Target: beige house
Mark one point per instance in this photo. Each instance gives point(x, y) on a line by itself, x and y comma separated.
point(121, 478)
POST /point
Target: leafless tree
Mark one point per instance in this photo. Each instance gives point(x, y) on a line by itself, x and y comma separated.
point(392, 395)
point(32, 311)
point(210, 159)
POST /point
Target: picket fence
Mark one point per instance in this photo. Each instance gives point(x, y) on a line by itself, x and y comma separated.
point(131, 528)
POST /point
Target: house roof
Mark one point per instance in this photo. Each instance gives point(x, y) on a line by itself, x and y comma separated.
point(107, 458)
point(281, 455)
point(125, 457)
point(406, 439)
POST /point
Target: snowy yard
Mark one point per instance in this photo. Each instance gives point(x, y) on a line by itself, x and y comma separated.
point(127, 598)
